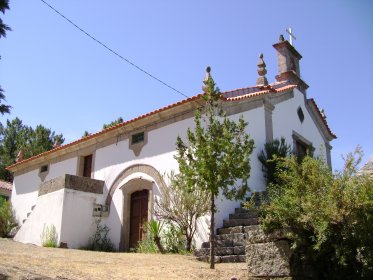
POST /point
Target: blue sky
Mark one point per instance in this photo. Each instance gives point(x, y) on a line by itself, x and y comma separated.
point(54, 75)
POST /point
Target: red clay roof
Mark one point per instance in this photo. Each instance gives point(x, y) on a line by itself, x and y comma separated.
point(233, 95)
point(6, 185)
point(323, 118)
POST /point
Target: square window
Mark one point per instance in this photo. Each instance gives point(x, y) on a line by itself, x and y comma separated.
point(44, 168)
point(137, 138)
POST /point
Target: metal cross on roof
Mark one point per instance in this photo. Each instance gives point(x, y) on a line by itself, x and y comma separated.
point(288, 30)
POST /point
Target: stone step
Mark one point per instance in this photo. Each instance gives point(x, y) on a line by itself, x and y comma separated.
point(240, 222)
point(224, 259)
point(238, 229)
point(32, 207)
point(24, 220)
point(221, 251)
point(206, 258)
point(252, 214)
point(243, 210)
point(28, 214)
point(233, 258)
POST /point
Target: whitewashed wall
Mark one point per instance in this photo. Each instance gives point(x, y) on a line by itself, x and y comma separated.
point(26, 186)
point(78, 223)
point(285, 120)
point(47, 212)
point(25, 193)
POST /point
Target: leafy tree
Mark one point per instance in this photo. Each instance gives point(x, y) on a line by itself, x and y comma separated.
point(181, 206)
point(7, 219)
point(16, 136)
point(4, 109)
point(216, 155)
point(330, 216)
point(117, 121)
point(4, 5)
point(271, 154)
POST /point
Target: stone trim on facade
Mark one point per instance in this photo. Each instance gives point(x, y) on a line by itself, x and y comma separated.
point(72, 182)
point(142, 168)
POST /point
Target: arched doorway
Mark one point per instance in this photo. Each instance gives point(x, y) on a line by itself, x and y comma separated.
point(131, 180)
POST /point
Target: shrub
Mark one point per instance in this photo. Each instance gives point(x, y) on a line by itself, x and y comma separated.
point(49, 236)
point(100, 240)
point(154, 230)
point(7, 220)
point(147, 245)
point(330, 216)
point(272, 153)
point(174, 239)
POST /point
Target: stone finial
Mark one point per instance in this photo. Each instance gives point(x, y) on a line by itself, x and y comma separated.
point(323, 113)
point(281, 39)
point(262, 71)
point(208, 75)
point(19, 156)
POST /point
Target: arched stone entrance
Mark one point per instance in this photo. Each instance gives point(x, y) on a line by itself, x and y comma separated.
point(135, 185)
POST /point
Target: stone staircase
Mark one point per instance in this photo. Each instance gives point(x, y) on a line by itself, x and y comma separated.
point(230, 239)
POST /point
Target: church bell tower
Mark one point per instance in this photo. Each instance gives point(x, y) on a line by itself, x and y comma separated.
point(288, 64)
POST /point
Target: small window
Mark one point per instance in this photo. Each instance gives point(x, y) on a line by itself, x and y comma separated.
point(44, 168)
point(300, 114)
point(137, 138)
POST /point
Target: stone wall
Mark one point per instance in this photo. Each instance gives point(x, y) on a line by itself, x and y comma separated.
point(73, 182)
point(267, 255)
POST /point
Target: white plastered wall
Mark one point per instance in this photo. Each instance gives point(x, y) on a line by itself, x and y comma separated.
point(26, 186)
point(78, 223)
point(285, 121)
point(47, 212)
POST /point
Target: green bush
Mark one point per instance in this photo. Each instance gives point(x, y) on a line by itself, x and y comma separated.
point(147, 245)
point(174, 239)
point(271, 155)
point(100, 240)
point(330, 216)
point(7, 220)
point(49, 236)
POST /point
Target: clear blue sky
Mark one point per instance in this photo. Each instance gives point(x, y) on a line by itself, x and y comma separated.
point(54, 75)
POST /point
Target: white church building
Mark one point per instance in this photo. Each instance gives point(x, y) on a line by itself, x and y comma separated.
point(116, 173)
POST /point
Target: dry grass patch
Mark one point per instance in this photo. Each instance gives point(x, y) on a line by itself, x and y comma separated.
point(23, 261)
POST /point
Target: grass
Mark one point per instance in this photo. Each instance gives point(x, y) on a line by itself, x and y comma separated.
point(20, 261)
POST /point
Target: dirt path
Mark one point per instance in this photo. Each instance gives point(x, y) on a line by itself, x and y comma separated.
point(23, 261)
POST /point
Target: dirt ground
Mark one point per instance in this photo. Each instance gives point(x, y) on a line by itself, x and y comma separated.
point(24, 261)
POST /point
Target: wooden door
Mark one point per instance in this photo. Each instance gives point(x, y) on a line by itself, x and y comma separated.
point(138, 216)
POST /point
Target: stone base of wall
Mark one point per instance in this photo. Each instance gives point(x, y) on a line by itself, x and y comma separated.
point(267, 255)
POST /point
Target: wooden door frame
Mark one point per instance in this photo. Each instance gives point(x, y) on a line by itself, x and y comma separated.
point(128, 188)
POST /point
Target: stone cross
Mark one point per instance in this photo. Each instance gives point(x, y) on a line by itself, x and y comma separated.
point(288, 30)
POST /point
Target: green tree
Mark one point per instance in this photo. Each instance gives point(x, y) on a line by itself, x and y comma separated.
point(330, 216)
point(4, 5)
point(216, 155)
point(16, 136)
point(181, 206)
point(271, 154)
point(117, 121)
point(7, 220)
point(4, 109)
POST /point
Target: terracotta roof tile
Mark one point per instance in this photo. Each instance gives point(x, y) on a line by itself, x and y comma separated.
point(6, 185)
point(323, 118)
